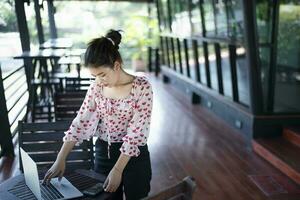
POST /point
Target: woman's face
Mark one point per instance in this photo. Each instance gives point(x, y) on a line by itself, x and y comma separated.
point(106, 75)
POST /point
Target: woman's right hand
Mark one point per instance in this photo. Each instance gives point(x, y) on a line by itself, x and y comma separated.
point(57, 169)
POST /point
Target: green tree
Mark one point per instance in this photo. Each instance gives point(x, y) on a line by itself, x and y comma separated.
point(8, 21)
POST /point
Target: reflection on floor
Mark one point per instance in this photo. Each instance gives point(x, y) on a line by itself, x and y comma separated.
point(188, 140)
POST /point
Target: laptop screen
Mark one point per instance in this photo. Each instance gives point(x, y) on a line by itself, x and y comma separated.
point(31, 174)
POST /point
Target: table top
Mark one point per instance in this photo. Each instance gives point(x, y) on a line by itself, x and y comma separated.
point(76, 178)
point(58, 43)
point(76, 52)
point(41, 54)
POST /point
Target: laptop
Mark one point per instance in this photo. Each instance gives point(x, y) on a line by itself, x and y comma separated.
point(55, 190)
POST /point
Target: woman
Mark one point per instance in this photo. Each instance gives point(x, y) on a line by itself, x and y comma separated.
point(116, 109)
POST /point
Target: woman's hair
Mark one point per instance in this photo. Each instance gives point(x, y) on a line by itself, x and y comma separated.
point(104, 50)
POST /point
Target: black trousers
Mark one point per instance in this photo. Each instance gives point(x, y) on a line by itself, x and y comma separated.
point(136, 176)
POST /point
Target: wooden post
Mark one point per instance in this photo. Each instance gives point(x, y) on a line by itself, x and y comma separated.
point(38, 19)
point(51, 11)
point(7, 148)
point(25, 42)
point(252, 59)
point(22, 25)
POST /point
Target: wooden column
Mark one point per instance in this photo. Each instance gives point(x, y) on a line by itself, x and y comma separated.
point(38, 19)
point(51, 11)
point(25, 39)
point(273, 57)
point(7, 148)
point(22, 25)
point(252, 57)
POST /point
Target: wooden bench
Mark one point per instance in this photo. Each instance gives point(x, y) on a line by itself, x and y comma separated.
point(181, 191)
point(42, 141)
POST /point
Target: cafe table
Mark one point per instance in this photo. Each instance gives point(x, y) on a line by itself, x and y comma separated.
point(39, 71)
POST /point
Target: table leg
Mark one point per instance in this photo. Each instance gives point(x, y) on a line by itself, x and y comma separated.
point(78, 70)
point(29, 70)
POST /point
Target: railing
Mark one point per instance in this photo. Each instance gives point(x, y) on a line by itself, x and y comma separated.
point(13, 106)
point(215, 65)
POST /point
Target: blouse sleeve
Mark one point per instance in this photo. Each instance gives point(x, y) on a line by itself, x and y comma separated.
point(138, 127)
point(85, 123)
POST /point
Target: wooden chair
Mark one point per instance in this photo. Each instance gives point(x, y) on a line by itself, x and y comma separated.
point(42, 103)
point(66, 104)
point(68, 101)
point(76, 84)
point(42, 141)
point(181, 191)
point(71, 61)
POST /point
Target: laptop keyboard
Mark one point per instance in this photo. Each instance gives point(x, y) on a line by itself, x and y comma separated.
point(49, 192)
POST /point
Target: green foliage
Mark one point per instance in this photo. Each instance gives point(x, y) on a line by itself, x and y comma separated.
point(92, 19)
point(138, 36)
point(8, 21)
point(289, 36)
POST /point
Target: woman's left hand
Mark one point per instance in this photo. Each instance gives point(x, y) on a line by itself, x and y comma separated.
point(113, 180)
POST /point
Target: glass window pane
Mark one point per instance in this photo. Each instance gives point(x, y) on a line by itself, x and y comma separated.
point(235, 19)
point(181, 26)
point(213, 66)
point(201, 60)
point(165, 14)
point(170, 53)
point(221, 18)
point(162, 51)
point(183, 56)
point(209, 17)
point(288, 58)
point(242, 76)
point(178, 57)
point(174, 54)
point(196, 17)
point(263, 20)
point(161, 16)
point(167, 55)
point(225, 63)
point(192, 60)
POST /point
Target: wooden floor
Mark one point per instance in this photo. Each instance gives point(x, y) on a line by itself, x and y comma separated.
point(187, 139)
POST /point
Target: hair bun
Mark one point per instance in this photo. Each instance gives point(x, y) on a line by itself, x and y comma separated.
point(115, 35)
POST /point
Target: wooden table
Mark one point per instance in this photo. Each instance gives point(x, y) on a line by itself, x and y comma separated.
point(40, 58)
point(81, 179)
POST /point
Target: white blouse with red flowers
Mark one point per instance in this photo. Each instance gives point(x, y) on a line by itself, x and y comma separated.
point(124, 120)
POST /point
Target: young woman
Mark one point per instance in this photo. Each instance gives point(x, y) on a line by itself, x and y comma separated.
point(116, 109)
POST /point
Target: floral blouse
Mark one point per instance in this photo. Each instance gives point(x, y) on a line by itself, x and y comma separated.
point(124, 120)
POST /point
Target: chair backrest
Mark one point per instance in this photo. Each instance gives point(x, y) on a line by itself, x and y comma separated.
point(181, 191)
point(42, 141)
point(67, 104)
point(76, 84)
